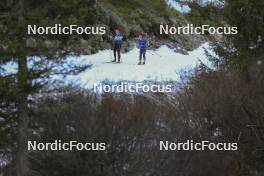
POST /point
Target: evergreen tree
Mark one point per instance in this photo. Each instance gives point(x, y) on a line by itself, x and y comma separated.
point(247, 47)
point(44, 52)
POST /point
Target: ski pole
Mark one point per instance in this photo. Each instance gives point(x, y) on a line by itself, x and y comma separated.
point(157, 53)
point(151, 53)
point(154, 53)
point(111, 56)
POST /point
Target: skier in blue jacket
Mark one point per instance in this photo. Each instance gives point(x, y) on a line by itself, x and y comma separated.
point(142, 45)
point(118, 40)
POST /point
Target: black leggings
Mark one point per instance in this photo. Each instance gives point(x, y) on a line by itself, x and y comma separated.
point(142, 53)
point(117, 49)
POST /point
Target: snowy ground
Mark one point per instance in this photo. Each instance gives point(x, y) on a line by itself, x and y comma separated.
point(178, 6)
point(186, 9)
point(161, 65)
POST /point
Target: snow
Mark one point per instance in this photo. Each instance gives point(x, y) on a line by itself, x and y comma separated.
point(161, 65)
point(186, 9)
point(177, 6)
point(4, 161)
point(9, 68)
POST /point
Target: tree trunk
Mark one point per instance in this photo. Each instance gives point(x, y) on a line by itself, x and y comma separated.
point(22, 161)
point(22, 133)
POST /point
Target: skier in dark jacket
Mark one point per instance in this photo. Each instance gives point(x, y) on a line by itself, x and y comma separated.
point(142, 45)
point(118, 40)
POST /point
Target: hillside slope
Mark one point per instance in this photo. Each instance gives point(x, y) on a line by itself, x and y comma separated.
point(133, 17)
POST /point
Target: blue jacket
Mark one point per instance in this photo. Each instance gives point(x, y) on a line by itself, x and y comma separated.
point(143, 43)
point(118, 39)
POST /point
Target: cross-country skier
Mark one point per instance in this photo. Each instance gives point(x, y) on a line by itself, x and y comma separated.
point(142, 45)
point(118, 40)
